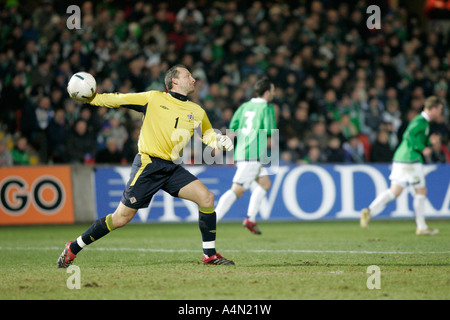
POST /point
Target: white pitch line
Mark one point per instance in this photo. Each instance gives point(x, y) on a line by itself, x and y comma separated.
point(238, 251)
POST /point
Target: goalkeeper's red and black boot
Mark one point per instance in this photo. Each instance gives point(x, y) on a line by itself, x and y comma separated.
point(216, 259)
point(252, 226)
point(66, 258)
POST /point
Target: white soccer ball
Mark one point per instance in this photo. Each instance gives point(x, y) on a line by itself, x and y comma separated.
point(82, 86)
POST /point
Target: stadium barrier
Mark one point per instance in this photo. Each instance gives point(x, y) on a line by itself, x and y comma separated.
point(306, 192)
point(68, 194)
point(36, 195)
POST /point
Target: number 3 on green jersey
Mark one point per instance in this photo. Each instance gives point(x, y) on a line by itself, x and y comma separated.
point(249, 115)
point(250, 120)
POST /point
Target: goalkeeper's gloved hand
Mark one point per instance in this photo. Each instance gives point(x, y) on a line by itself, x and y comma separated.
point(224, 142)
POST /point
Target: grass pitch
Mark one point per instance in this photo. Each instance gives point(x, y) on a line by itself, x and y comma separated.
point(289, 261)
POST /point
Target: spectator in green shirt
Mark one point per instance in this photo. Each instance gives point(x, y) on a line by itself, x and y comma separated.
point(20, 152)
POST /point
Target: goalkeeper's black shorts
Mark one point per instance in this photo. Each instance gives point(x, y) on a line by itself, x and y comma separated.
point(149, 175)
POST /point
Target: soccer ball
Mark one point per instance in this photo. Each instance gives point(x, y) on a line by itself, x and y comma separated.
point(82, 86)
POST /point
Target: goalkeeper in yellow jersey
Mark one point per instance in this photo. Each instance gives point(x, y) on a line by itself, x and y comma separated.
point(169, 122)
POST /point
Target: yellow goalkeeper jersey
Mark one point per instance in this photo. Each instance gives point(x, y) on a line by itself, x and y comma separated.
point(168, 124)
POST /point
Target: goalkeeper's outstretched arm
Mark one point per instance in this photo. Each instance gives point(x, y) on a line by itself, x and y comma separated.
point(135, 101)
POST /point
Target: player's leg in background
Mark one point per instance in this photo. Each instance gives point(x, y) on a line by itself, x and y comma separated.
point(379, 203)
point(385, 197)
point(259, 190)
point(420, 196)
point(246, 174)
point(228, 199)
point(419, 207)
point(400, 176)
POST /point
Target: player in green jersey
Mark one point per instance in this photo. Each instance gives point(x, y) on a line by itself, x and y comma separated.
point(253, 122)
point(407, 168)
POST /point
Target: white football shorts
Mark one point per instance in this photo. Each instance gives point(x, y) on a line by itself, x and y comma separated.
point(408, 173)
point(247, 172)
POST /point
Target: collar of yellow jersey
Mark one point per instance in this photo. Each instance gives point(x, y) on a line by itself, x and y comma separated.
point(178, 96)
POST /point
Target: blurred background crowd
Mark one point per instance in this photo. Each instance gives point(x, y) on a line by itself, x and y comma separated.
point(344, 93)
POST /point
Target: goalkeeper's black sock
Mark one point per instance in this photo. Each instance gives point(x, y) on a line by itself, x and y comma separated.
point(98, 229)
point(207, 223)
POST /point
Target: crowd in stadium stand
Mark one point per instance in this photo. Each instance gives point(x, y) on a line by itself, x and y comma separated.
point(344, 93)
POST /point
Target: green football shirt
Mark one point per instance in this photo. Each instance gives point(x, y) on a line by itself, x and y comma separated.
point(415, 139)
point(253, 122)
